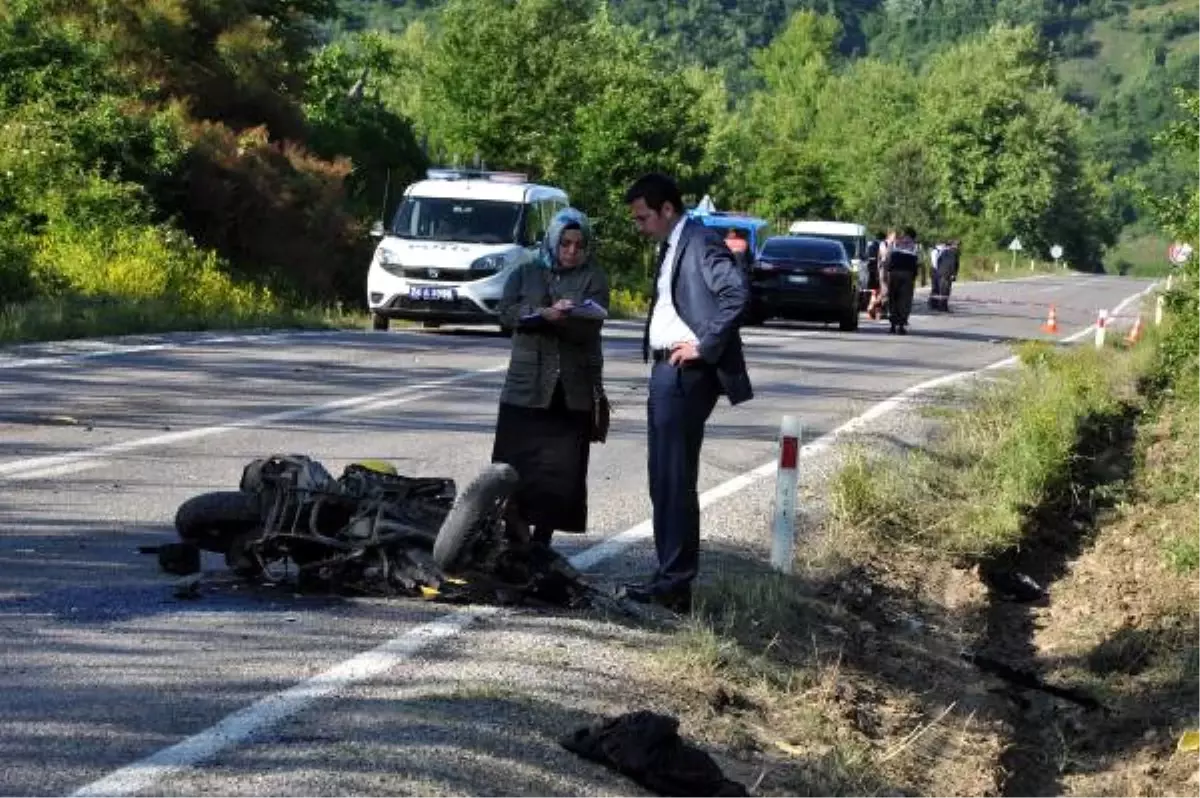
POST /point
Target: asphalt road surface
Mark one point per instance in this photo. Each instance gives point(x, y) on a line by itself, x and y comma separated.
point(112, 685)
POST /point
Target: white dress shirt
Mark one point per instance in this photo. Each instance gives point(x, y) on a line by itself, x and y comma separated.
point(666, 328)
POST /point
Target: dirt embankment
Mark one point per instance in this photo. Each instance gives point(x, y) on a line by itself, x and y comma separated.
point(1064, 663)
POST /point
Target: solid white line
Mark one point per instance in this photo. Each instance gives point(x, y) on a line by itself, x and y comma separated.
point(268, 711)
point(16, 470)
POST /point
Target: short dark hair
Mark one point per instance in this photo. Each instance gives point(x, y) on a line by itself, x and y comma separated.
point(655, 189)
point(910, 231)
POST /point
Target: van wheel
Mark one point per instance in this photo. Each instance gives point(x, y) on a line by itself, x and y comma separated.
point(379, 322)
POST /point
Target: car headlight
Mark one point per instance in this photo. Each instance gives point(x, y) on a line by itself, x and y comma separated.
point(389, 262)
point(488, 264)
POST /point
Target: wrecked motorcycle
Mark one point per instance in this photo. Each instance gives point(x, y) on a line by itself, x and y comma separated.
point(373, 531)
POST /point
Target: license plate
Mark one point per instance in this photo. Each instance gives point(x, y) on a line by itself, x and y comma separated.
point(429, 293)
point(798, 279)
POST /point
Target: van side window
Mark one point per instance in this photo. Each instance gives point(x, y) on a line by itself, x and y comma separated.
point(535, 225)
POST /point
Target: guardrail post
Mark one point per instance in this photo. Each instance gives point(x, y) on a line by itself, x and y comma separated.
point(787, 477)
point(1101, 323)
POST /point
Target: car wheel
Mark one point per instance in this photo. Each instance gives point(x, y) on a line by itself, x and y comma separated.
point(849, 322)
point(379, 322)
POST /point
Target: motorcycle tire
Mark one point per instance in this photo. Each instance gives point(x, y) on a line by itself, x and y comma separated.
point(481, 499)
point(213, 521)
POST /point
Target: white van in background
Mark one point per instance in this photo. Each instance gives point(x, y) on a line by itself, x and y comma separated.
point(853, 238)
point(452, 243)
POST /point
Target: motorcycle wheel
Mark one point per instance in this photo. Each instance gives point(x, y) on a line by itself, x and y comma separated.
point(213, 521)
point(478, 504)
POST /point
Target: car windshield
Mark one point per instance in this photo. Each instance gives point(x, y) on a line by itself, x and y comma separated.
point(849, 242)
point(468, 220)
point(802, 249)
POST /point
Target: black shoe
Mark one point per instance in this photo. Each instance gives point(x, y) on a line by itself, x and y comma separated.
point(892, 330)
point(903, 330)
point(678, 600)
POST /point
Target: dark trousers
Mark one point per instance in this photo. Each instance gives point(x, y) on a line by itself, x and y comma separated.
point(679, 403)
point(939, 296)
point(900, 296)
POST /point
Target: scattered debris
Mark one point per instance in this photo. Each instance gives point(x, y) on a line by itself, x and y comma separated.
point(646, 747)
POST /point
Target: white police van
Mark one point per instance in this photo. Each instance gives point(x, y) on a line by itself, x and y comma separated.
point(452, 243)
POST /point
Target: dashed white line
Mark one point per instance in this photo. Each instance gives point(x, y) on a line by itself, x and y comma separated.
point(36, 467)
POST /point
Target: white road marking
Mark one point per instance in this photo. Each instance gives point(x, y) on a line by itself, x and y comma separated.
point(271, 710)
point(16, 470)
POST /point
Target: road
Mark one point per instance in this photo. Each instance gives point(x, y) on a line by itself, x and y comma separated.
point(99, 443)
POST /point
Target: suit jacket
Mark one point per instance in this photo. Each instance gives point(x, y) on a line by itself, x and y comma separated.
point(710, 294)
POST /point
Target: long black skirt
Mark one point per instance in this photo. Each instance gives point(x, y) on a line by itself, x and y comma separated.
point(549, 448)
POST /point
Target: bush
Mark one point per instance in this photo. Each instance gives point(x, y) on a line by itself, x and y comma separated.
point(276, 212)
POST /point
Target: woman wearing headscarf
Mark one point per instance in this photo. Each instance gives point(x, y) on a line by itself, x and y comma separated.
point(546, 423)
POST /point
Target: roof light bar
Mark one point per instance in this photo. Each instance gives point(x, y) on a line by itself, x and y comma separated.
point(476, 174)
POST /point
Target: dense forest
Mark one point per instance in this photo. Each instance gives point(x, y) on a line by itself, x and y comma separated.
point(232, 153)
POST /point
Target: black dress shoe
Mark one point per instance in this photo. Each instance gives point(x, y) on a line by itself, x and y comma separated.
point(677, 599)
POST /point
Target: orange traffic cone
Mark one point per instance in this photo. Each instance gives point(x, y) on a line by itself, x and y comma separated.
point(1136, 333)
point(1051, 325)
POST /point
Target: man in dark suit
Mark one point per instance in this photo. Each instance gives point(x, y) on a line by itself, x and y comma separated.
point(700, 295)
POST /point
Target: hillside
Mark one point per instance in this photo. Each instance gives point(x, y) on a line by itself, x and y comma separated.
point(1117, 60)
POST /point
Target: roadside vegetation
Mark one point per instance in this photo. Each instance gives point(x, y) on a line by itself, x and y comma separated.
point(1009, 608)
point(195, 164)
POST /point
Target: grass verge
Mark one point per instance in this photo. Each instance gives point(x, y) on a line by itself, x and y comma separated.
point(994, 461)
point(87, 317)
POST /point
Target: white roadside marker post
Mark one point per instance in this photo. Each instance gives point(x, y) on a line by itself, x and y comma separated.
point(1158, 310)
point(1170, 279)
point(1101, 322)
point(787, 477)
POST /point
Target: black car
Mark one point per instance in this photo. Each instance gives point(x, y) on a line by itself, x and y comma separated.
point(806, 279)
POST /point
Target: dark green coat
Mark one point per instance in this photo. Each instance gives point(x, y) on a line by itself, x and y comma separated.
point(542, 352)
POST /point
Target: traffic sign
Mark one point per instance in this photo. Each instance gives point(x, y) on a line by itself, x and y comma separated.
point(1056, 251)
point(1015, 246)
point(1179, 252)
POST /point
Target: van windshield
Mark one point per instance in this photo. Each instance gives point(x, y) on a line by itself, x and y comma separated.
point(471, 221)
point(849, 243)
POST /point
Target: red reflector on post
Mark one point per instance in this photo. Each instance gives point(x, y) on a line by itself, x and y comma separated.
point(789, 453)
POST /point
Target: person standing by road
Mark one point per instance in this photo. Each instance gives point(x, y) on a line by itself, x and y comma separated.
point(547, 418)
point(945, 271)
point(902, 265)
point(691, 335)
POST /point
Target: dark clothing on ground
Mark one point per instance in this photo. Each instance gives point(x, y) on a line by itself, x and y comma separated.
point(549, 447)
point(646, 747)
